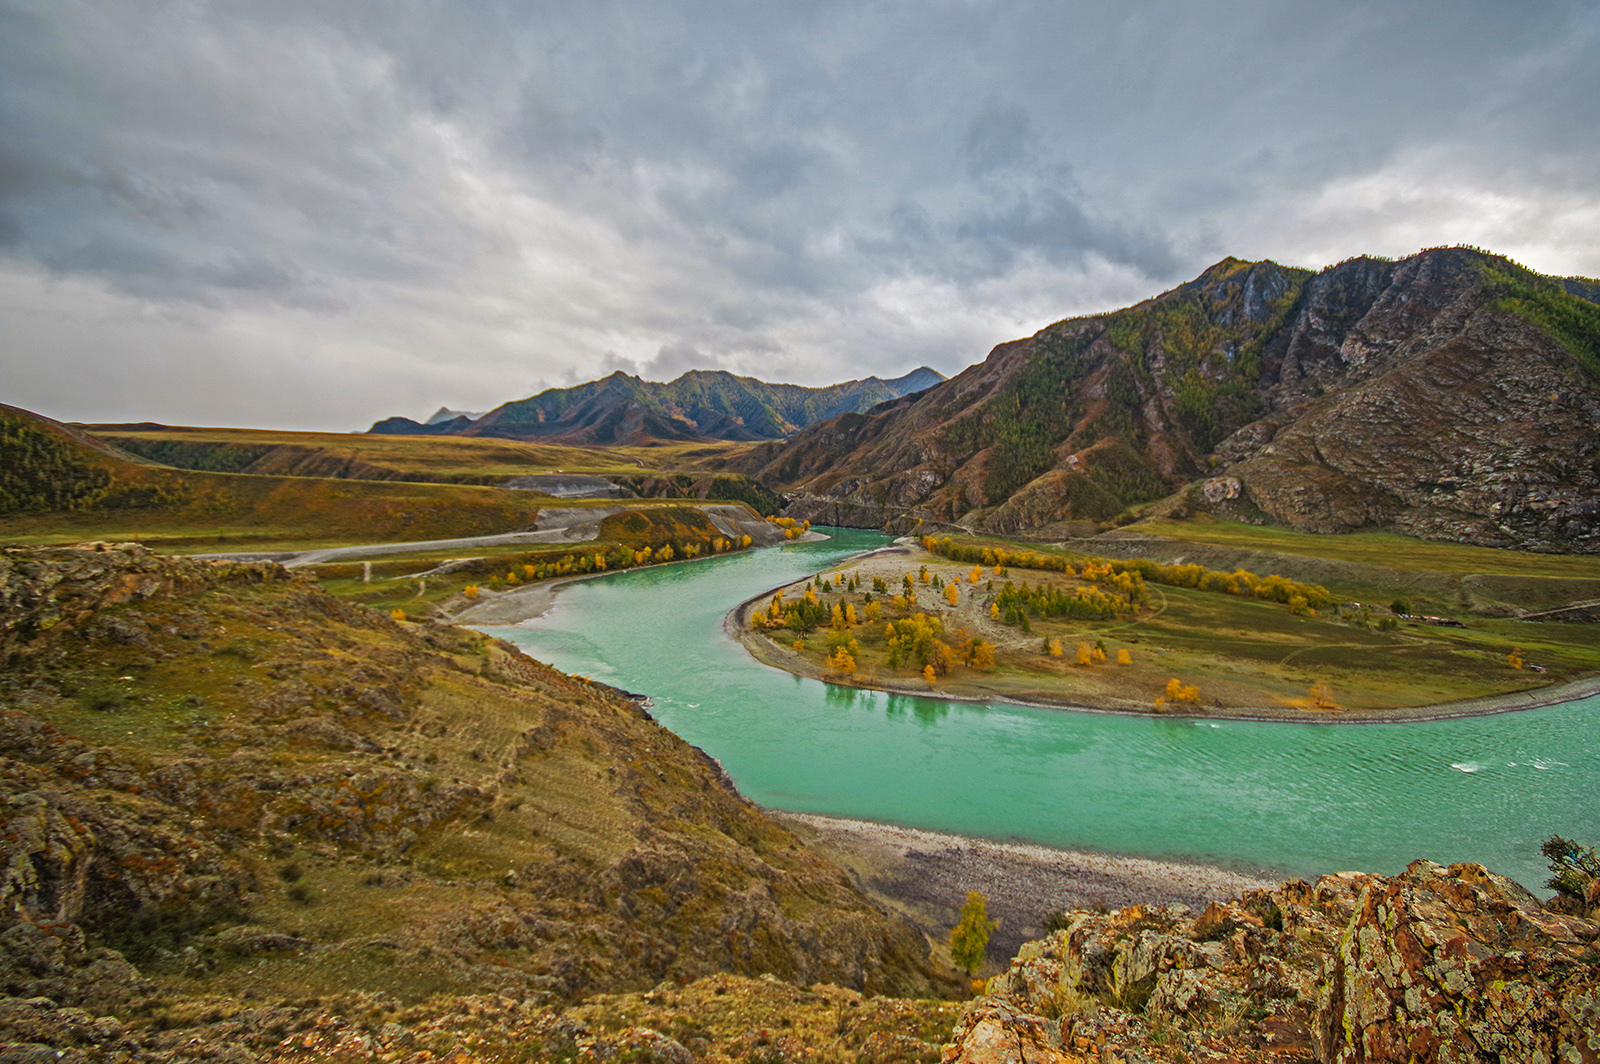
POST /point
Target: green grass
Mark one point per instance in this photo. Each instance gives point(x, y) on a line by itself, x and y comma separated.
point(1384, 549)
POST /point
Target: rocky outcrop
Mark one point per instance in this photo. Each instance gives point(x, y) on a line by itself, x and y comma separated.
point(1435, 965)
point(1459, 965)
point(1452, 396)
point(41, 589)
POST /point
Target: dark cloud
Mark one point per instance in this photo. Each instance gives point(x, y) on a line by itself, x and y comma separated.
point(437, 201)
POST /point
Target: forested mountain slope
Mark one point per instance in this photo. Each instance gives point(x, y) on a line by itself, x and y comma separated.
point(1450, 395)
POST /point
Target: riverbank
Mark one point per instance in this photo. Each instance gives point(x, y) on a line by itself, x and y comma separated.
point(527, 601)
point(925, 875)
point(966, 685)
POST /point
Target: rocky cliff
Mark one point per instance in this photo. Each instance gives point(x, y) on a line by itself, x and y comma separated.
point(1434, 965)
point(219, 785)
point(1452, 395)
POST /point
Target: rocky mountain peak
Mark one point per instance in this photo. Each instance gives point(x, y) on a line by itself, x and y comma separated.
point(1341, 399)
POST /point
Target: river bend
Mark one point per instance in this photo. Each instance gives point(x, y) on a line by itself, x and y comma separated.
point(1293, 798)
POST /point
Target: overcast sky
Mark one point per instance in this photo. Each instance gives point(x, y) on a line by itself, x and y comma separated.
point(315, 213)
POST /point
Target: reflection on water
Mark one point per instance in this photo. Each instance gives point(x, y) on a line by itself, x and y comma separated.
point(1297, 797)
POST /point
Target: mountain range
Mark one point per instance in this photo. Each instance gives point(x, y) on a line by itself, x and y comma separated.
point(1451, 395)
point(699, 405)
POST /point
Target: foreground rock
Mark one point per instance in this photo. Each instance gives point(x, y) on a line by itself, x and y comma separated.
point(1437, 964)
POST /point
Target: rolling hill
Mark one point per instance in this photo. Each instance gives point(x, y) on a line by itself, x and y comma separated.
point(1452, 395)
point(699, 405)
point(60, 484)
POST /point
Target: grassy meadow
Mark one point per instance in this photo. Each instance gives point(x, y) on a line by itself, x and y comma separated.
point(1385, 549)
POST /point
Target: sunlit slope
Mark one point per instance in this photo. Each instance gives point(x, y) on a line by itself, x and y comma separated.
point(446, 459)
point(57, 485)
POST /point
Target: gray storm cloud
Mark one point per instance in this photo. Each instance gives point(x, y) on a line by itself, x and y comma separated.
point(314, 214)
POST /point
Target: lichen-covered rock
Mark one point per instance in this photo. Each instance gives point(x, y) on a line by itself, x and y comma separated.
point(1436, 965)
point(1456, 965)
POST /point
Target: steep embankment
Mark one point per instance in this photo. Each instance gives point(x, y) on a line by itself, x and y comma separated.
point(1451, 395)
point(250, 790)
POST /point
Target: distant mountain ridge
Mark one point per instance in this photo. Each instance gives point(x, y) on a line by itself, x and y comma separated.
point(699, 405)
point(1451, 395)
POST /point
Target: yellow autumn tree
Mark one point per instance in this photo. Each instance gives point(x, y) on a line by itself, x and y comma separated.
point(1514, 659)
point(1055, 648)
point(841, 662)
point(398, 614)
point(952, 593)
point(969, 939)
point(874, 610)
point(850, 613)
point(994, 611)
point(1123, 657)
point(976, 575)
point(928, 674)
point(982, 655)
point(471, 591)
point(1085, 654)
point(1322, 696)
point(1178, 691)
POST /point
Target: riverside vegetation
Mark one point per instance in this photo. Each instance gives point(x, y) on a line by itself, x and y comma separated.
point(985, 618)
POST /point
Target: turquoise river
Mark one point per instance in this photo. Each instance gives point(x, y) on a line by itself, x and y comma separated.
point(1293, 798)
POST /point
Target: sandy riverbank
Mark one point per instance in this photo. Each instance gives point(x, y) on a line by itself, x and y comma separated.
point(890, 563)
point(926, 876)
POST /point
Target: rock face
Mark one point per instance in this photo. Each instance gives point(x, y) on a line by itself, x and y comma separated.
point(1457, 965)
point(1451, 395)
point(1435, 965)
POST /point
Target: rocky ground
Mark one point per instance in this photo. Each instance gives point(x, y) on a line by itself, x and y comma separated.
point(1437, 964)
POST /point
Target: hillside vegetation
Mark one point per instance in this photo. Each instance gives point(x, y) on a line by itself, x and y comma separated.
point(1450, 396)
point(58, 485)
point(365, 457)
point(232, 801)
